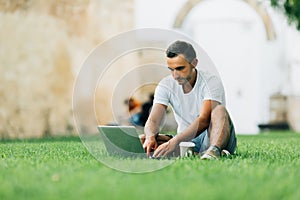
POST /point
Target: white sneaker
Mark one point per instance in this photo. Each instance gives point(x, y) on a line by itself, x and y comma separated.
point(212, 153)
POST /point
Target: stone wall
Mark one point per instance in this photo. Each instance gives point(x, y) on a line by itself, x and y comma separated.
point(42, 46)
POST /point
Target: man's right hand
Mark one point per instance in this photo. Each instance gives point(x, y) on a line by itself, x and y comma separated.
point(150, 144)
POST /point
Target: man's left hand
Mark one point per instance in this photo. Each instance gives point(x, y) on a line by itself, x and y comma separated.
point(165, 149)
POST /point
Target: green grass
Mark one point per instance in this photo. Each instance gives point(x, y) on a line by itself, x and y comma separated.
point(266, 166)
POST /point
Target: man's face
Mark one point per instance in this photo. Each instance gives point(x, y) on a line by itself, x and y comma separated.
point(180, 68)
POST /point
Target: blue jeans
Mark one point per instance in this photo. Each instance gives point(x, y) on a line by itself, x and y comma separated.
point(202, 141)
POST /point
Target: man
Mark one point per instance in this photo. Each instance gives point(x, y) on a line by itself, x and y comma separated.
point(198, 102)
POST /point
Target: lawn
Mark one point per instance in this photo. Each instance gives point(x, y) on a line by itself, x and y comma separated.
point(266, 166)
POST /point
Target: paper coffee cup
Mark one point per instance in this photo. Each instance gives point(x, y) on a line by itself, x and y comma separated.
point(186, 149)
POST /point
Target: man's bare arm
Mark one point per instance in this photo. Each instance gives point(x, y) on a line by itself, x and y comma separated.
point(154, 120)
point(200, 124)
point(152, 126)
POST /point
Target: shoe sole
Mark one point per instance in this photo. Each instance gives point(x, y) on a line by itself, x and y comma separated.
point(208, 157)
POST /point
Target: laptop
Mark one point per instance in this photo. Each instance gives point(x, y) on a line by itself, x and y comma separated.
point(122, 141)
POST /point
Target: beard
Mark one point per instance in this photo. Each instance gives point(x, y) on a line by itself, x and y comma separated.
point(182, 81)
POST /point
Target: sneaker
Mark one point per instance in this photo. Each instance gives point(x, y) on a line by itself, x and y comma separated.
point(212, 153)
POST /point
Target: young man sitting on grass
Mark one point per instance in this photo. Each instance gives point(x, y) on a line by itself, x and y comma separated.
point(198, 102)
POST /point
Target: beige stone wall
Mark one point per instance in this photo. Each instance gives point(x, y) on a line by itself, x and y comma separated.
point(42, 46)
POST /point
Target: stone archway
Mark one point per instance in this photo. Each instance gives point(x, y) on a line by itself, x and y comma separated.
point(258, 7)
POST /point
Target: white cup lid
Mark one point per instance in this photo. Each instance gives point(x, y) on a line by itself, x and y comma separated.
point(187, 144)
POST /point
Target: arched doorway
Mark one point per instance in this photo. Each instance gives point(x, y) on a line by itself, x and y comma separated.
point(259, 9)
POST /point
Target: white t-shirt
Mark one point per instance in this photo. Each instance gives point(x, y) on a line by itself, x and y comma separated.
point(186, 107)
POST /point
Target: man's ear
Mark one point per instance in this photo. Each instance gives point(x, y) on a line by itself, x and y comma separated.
point(195, 62)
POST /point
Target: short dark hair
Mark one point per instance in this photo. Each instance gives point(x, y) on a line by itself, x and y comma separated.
point(181, 47)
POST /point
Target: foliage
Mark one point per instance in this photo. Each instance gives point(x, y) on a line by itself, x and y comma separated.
point(291, 8)
point(266, 166)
